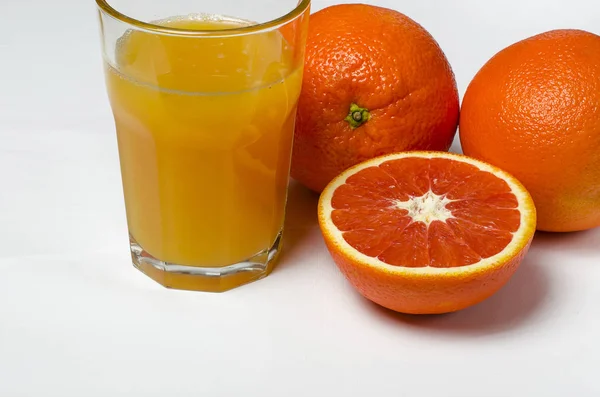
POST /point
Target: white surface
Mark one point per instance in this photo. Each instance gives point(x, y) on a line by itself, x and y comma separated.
point(79, 320)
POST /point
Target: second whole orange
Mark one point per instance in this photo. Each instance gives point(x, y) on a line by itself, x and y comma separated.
point(375, 82)
point(534, 111)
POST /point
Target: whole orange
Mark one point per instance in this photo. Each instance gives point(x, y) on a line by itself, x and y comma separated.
point(534, 111)
point(375, 82)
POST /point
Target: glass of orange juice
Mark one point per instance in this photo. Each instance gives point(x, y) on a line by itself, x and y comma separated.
point(204, 97)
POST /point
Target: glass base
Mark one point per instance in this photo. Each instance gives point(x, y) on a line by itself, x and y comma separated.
point(209, 279)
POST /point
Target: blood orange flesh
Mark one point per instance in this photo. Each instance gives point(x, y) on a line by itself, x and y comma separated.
point(433, 216)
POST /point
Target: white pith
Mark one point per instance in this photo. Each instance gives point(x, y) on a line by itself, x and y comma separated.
point(427, 208)
point(520, 238)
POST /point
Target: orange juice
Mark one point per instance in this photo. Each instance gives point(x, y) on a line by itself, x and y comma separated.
point(204, 126)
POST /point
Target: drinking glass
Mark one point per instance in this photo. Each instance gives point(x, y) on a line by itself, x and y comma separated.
point(204, 97)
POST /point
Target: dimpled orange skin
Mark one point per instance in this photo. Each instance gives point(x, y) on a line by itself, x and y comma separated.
point(418, 294)
point(534, 110)
point(380, 60)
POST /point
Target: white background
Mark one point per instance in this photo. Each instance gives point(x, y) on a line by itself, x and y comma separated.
point(76, 319)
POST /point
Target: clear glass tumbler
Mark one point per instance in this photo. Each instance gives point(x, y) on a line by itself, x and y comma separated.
point(204, 97)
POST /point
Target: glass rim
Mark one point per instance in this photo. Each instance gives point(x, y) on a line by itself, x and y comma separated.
point(302, 6)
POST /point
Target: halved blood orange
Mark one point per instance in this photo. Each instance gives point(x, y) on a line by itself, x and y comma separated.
point(426, 232)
